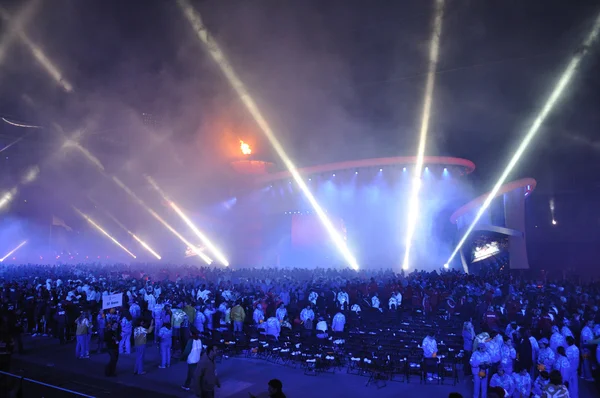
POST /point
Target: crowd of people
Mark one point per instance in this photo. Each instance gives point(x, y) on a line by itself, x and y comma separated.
point(526, 338)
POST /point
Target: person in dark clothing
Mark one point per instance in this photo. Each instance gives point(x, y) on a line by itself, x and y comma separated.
point(275, 389)
point(206, 375)
point(112, 338)
point(15, 328)
point(60, 319)
point(524, 352)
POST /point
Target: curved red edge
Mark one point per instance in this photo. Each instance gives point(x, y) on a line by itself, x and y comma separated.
point(528, 183)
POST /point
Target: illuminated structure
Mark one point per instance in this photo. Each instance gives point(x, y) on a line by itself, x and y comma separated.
point(245, 163)
point(271, 223)
point(503, 220)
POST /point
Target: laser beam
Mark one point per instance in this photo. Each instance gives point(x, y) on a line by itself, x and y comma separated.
point(124, 228)
point(99, 228)
point(209, 245)
point(218, 56)
point(13, 251)
point(413, 209)
point(136, 198)
point(23, 125)
point(20, 19)
point(213, 249)
point(154, 214)
point(556, 93)
point(38, 54)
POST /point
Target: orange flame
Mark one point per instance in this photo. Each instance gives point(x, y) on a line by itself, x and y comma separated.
point(246, 150)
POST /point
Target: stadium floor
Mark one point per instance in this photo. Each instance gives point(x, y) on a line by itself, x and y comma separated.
point(49, 362)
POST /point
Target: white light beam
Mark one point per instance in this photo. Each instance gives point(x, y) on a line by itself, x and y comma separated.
point(213, 48)
point(555, 95)
point(413, 210)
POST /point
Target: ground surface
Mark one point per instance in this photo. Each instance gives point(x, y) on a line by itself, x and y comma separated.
point(49, 362)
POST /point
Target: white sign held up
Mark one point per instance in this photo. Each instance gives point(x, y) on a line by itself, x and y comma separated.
point(112, 301)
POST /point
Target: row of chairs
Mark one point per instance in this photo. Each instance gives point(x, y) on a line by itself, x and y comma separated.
point(425, 370)
point(382, 354)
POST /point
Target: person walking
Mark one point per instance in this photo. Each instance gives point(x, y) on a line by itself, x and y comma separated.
point(238, 315)
point(101, 324)
point(126, 326)
point(82, 324)
point(165, 336)
point(192, 353)
point(111, 338)
point(140, 338)
point(206, 374)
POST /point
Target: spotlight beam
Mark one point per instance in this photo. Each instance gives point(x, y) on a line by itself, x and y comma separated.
point(551, 101)
point(213, 249)
point(36, 51)
point(218, 56)
point(218, 255)
point(20, 19)
point(413, 210)
point(203, 256)
point(93, 160)
point(99, 228)
point(124, 228)
point(13, 251)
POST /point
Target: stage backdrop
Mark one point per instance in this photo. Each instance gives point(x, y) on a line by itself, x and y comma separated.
point(308, 231)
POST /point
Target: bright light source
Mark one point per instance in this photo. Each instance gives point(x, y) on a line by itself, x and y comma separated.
point(553, 222)
point(555, 95)
point(30, 175)
point(7, 197)
point(380, 169)
point(13, 251)
point(213, 249)
point(215, 51)
point(446, 266)
point(246, 150)
point(99, 228)
point(413, 209)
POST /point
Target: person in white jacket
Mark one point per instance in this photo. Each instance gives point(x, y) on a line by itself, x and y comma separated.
point(307, 316)
point(258, 316)
point(273, 327)
point(192, 353)
point(281, 313)
point(312, 297)
point(343, 299)
point(375, 303)
point(339, 322)
point(322, 329)
point(151, 300)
